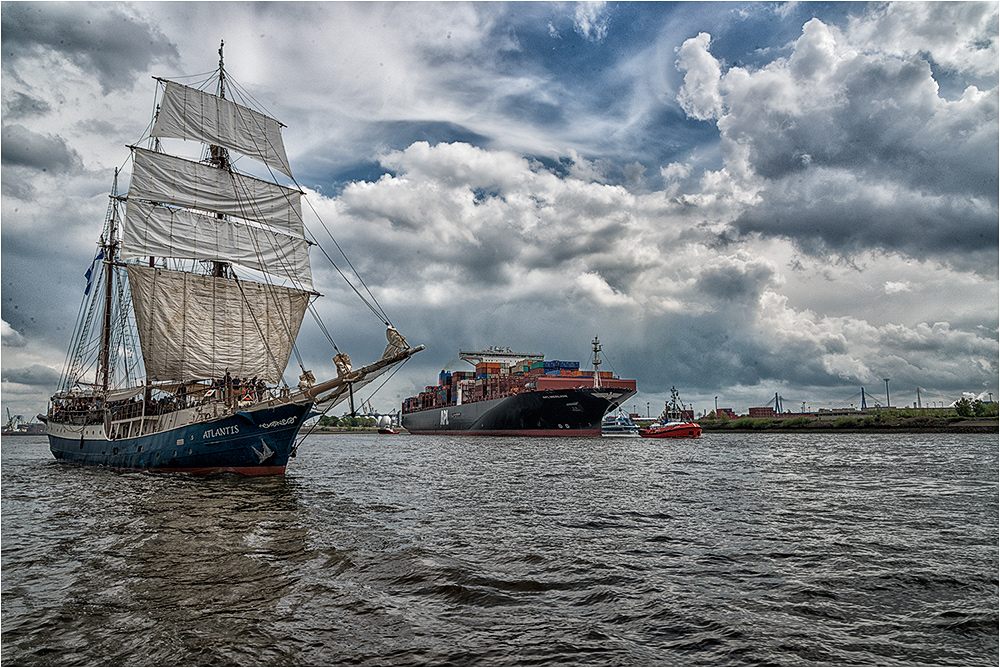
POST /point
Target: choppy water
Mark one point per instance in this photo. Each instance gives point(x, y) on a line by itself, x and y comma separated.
point(403, 550)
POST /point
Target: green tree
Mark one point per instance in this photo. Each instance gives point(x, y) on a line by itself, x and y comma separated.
point(964, 407)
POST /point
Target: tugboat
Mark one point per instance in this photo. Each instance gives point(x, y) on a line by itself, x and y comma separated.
point(385, 426)
point(671, 423)
point(199, 288)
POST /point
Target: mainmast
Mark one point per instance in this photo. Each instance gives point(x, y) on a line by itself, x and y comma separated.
point(108, 247)
point(219, 155)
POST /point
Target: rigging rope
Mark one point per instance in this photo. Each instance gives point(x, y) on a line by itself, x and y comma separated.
point(301, 437)
point(380, 312)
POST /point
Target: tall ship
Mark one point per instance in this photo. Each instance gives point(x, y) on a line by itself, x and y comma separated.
point(517, 394)
point(194, 301)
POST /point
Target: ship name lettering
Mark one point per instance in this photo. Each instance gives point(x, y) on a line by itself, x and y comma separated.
point(221, 431)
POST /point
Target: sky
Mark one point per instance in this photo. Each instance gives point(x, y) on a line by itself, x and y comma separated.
point(740, 199)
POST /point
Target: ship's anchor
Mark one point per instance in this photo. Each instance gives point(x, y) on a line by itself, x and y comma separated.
point(264, 454)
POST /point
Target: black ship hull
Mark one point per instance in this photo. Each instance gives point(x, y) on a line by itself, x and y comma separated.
point(253, 442)
point(562, 412)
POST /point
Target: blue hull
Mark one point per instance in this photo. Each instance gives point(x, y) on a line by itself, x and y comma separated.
point(256, 442)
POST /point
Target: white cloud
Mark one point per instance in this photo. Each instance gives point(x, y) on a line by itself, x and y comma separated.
point(700, 96)
point(593, 288)
point(10, 337)
point(957, 35)
point(845, 146)
point(675, 171)
point(591, 20)
point(893, 287)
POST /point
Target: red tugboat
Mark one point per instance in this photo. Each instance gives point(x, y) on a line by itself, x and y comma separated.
point(671, 423)
point(385, 425)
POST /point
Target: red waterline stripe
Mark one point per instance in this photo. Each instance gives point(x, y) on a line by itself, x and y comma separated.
point(242, 470)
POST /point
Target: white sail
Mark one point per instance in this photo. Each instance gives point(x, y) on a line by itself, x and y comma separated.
point(161, 231)
point(193, 326)
point(159, 177)
point(188, 113)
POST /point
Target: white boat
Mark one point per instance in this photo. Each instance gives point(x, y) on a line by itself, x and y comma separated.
point(619, 424)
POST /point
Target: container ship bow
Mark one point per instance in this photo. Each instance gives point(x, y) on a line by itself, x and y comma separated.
point(193, 304)
point(517, 394)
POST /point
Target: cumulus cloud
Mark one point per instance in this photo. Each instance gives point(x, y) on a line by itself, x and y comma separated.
point(957, 35)
point(847, 147)
point(11, 337)
point(700, 96)
point(112, 42)
point(543, 247)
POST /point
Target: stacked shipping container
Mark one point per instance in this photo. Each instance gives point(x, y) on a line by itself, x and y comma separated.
point(493, 380)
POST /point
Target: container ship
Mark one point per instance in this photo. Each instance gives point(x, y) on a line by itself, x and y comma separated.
point(517, 394)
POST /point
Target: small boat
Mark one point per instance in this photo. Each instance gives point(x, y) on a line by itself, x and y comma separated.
point(385, 426)
point(619, 424)
point(672, 430)
point(671, 424)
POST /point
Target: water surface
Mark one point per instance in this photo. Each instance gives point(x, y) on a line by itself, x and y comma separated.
point(735, 549)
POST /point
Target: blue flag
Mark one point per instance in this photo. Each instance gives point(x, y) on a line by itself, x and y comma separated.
point(90, 272)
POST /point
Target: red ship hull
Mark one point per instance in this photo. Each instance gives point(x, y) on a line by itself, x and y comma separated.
point(682, 430)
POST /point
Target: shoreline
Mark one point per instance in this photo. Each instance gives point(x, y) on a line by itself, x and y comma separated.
point(970, 426)
point(857, 425)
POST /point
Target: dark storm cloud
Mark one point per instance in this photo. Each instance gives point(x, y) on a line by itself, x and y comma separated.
point(20, 105)
point(735, 281)
point(105, 39)
point(36, 375)
point(836, 213)
point(24, 148)
point(54, 250)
